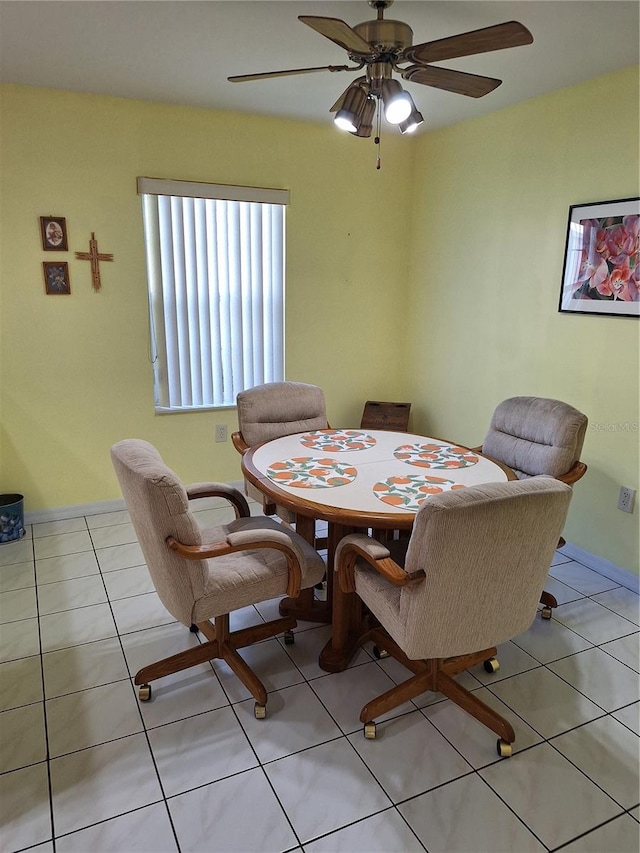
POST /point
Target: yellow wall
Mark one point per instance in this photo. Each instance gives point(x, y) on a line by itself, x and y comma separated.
point(489, 226)
point(75, 375)
point(434, 280)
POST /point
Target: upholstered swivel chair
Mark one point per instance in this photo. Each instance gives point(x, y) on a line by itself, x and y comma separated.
point(271, 411)
point(533, 436)
point(206, 574)
point(472, 576)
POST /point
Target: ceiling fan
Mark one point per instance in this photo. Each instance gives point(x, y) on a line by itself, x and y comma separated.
point(382, 47)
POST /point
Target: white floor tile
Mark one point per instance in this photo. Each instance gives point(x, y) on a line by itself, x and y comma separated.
point(16, 750)
point(385, 832)
point(82, 667)
point(619, 835)
point(345, 694)
point(476, 742)
point(66, 595)
point(140, 612)
point(147, 829)
point(199, 750)
point(91, 717)
point(593, 621)
point(409, 756)
point(561, 591)
point(296, 719)
point(581, 578)
point(553, 798)
point(87, 786)
point(630, 716)
point(124, 583)
point(622, 601)
point(546, 702)
point(66, 525)
point(607, 752)
point(626, 650)
point(19, 640)
point(324, 788)
point(18, 604)
point(599, 677)
point(116, 534)
point(54, 569)
point(16, 552)
point(17, 576)
point(120, 557)
point(74, 627)
point(25, 814)
point(307, 647)
point(20, 683)
point(467, 817)
point(548, 640)
point(218, 814)
point(61, 544)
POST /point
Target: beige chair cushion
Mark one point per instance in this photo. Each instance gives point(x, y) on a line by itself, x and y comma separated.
point(534, 435)
point(280, 408)
point(486, 552)
point(195, 590)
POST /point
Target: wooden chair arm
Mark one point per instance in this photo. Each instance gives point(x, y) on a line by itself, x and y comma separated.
point(239, 443)
point(245, 540)
point(220, 490)
point(577, 470)
point(377, 556)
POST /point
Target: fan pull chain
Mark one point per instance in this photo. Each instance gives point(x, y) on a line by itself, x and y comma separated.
point(377, 137)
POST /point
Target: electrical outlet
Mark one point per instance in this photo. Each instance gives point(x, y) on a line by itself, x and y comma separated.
point(626, 499)
point(221, 432)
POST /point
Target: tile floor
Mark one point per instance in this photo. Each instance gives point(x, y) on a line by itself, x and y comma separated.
point(85, 767)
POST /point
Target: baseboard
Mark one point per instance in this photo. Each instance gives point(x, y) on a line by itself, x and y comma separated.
point(602, 566)
point(62, 512)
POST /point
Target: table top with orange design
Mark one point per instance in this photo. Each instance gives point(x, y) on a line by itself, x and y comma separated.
point(364, 477)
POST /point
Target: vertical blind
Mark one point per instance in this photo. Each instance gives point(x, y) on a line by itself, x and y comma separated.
point(215, 268)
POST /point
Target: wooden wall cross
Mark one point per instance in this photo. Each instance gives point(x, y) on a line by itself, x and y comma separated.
point(95, 257)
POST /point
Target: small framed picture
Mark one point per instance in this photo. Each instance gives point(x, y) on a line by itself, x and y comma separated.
point(54, 233)
point(601, 272)
point(56, 279)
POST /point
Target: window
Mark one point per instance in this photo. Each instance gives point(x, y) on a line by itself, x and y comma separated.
point(215, 268)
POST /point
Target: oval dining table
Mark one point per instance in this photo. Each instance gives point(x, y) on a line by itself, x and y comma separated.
point(357, 479)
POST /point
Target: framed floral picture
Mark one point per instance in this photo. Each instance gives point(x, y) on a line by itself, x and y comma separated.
point(54, 233)
point(56, 279)
point(601, 273)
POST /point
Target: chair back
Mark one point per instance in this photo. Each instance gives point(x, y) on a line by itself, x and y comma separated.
point(486, 552)
point(158, 505)
point(280, 408)
point(534, 435)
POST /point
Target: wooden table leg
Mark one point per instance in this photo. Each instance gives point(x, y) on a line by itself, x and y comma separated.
point(348, 623)
point(306, 606)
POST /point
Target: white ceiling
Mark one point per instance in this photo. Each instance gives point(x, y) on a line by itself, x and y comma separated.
point(180, 51)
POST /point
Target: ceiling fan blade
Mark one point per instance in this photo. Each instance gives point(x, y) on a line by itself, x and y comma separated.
point(459, 82)
point(339, 32)
point(498, 37)
point(265, 75)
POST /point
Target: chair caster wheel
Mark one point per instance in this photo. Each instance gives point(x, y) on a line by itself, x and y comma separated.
point(289, 638)
point(504, 749)
point(546, 612)
point(492, 665)
point(194, 629)
point(370, 731)
point(379, 653)
point(144, 693)
point(259, 711)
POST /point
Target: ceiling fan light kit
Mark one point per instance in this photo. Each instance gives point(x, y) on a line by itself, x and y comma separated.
point(384, 47)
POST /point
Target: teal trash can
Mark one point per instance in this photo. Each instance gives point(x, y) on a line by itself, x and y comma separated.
point(11, 518)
